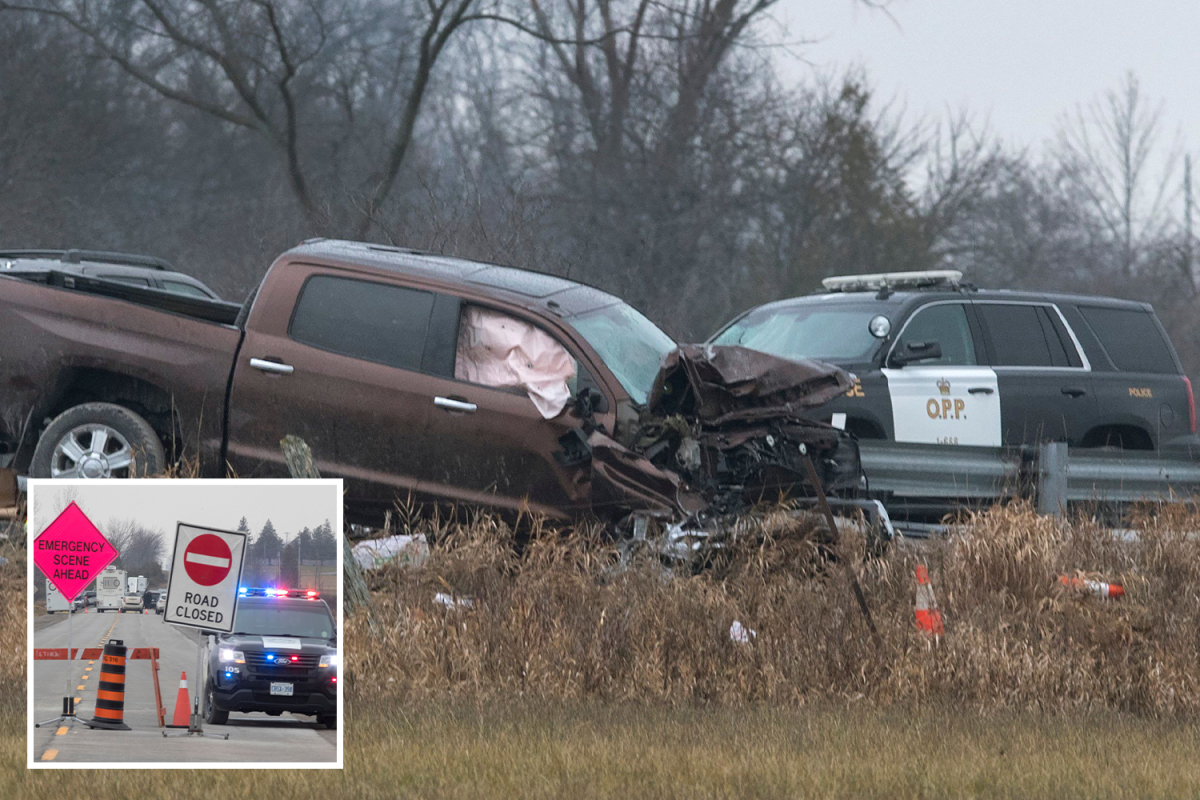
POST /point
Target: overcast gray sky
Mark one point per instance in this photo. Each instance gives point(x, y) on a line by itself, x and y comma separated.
point(162, 504)
point(1019, 63)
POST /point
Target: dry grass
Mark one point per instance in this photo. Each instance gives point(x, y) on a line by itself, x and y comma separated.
point(598, 750)
point(559, 622)
point(569, 678)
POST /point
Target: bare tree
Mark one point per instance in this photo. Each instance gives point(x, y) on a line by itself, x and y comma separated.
point(282, 70)
point(1106, 151)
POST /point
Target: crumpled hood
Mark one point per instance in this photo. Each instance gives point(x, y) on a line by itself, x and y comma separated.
point(723, 383)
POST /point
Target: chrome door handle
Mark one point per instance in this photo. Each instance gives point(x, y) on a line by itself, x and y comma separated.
point(980, 390)
point(272, 366)
point(454, 405)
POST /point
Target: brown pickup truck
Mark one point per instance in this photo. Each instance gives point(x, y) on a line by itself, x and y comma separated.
point(411, 376)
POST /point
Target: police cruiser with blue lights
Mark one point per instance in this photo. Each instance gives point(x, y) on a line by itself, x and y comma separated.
point(282, 656)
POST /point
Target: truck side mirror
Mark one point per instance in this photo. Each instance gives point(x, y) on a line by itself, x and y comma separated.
point(909, 352)
point(588, 402)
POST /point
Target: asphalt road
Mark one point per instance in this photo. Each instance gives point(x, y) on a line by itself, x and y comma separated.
point(252, 737)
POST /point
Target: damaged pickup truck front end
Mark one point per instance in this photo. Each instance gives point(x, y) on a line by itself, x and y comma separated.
point(721, 431)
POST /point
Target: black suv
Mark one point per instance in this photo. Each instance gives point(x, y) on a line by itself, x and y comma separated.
point(282, 656)
point(144, 272)
point(938, 361)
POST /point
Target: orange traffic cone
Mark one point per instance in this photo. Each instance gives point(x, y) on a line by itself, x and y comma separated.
point(1095, 587)
point(929, 619)
point(183, 706)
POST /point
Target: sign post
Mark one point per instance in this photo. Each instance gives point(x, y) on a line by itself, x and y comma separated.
point(71, 552)
point(206, 568)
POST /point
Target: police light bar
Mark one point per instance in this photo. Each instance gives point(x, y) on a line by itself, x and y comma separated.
point(259, 591)
point(894, 280)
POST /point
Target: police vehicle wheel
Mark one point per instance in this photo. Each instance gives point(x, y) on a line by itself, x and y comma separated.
point(213, 715)
point(98, 440)
point(329, 721)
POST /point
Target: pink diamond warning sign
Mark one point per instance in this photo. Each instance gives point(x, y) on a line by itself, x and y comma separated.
point(71, 552)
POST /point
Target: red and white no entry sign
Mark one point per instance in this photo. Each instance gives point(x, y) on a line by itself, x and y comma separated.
point(207, 560)
point(206, 565)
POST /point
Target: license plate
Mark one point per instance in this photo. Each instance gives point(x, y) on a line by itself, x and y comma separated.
point(284, 689)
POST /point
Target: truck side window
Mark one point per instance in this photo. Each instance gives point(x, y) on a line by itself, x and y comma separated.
point(946, 324)
point(363, 319)
point(1018, 336)
point(497, 350)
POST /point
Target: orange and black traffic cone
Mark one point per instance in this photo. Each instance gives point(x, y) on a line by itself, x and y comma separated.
point(929, 619)
point(183, 706)
point(110, 694)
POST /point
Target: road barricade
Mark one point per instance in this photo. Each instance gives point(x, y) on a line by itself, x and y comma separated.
point(113, 692)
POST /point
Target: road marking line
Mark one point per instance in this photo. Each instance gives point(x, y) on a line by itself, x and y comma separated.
point(79, 688)
point(78, 699)
point(89, 669)
point(61, 730)
point(49, 755)
point(85, 677)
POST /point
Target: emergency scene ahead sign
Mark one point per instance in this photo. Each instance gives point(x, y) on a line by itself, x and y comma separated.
point(71, 552)
point(206, 567)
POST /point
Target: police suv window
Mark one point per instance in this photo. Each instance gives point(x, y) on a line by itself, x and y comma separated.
point(946, 324)
point(1025, 336)
point(129, 279)
point(1131, 339)
point(179, 287)
point(363, 319)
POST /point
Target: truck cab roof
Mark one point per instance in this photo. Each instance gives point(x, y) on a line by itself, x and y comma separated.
point(529, 288)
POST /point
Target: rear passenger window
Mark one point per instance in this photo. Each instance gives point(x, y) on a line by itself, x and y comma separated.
point(367, 320)
point(1131, 338)
point(1022, 336)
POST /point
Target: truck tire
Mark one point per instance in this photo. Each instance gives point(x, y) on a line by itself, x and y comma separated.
point(98, 440)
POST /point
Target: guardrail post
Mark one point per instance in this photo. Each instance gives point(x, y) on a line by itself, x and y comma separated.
point(1052, 469)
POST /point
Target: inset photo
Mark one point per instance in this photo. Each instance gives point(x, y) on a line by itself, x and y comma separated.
point(184, 623)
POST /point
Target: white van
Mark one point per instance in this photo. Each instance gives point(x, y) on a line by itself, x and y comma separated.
point(110, 589)
point(55, 600)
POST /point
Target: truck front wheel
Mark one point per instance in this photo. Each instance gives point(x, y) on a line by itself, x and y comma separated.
point(98, 440)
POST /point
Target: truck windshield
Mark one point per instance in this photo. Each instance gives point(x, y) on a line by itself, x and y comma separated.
point(631, 346)
point(307, 618)
point(827, 332)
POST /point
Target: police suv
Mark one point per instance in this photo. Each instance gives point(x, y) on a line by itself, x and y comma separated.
point(281, 656)
point(938, 361)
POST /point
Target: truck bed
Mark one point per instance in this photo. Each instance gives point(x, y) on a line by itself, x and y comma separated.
point(218, 311)
point(168, 356)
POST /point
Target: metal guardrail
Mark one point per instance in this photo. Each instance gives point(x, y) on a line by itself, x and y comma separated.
point(1129, 476)
point(1051, 473)
point(901, 469)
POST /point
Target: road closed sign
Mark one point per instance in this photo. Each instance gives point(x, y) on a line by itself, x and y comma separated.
point(71, 552)
point(206, 567)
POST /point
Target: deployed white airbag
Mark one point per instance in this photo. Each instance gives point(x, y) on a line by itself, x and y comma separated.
point(497, 350)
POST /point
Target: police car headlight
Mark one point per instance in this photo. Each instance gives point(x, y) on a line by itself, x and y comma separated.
point(330, 660)
point(880, 326)
point(228, 655)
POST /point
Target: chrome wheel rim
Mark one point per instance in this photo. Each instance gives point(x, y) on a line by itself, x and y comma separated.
point(92, 451)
